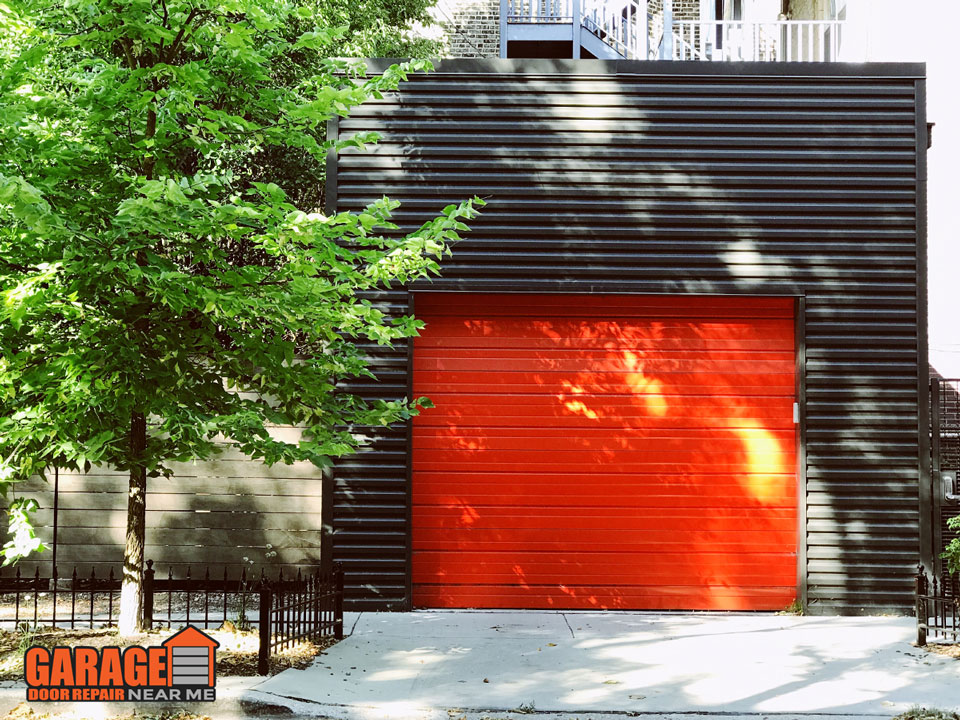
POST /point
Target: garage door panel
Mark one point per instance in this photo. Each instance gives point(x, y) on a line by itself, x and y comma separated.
point(684, 461)
point(655, 307)
point(605, 451)
point(454, 504)
point(587, 462)
point(586, 420)
point(625, 363)
point(658, 597)
point(743, 514)
point(438, 480)
point(639, 438)
point(519, 382)
point(759, 540)
point(611, 573)
point(636, 547)
point(637, 497)
point(644, 403)
point(667, 342)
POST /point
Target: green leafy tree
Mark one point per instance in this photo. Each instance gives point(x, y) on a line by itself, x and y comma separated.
point(380, 28)
point(155, 301)
point(374, 28)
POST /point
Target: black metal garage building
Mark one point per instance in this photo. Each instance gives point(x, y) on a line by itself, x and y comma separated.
point(803, 181)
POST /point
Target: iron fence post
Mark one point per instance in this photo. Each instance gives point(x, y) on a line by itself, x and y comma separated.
point(338, 601)
point(919, 588)
point(148, 596)
point(937, 492)
point(266, 603)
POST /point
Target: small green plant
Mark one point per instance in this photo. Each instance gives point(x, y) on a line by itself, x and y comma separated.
point(794, 608)
point(952, 552)
point(241, 622)
point(26, 636)
point(921, 713)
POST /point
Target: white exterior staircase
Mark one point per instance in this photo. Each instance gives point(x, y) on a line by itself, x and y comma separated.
point(623, 29)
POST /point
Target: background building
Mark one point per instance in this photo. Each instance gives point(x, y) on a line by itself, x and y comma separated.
point(871, 31)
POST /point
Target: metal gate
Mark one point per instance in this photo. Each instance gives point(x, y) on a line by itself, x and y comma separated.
point(945, 448)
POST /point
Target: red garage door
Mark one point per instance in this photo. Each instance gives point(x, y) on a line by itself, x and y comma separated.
point(604, 451)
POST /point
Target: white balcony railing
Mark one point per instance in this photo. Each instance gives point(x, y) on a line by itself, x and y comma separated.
point(777, 40)
point(539, 11)
point(626, 26)
point(621, 24)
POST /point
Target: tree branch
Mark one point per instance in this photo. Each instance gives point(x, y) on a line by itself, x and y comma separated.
point(128, 53)
point(178, 40)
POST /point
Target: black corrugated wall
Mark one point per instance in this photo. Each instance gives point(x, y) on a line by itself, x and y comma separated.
point(665, 177)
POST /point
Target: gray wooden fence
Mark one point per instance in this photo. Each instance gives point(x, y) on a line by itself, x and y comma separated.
point(232, 511)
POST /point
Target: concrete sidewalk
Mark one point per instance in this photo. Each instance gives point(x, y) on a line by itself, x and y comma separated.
point(422, 664)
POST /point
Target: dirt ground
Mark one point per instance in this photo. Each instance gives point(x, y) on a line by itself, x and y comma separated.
point(951, 650)
point(25, 712)
point(236, 656)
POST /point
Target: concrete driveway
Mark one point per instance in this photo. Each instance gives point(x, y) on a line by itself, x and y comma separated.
point(422, 664)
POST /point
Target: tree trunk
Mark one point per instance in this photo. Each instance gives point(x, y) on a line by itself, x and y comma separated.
point(131, 591)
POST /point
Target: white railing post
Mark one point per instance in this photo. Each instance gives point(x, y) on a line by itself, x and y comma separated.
point(643, 31)
point(505, 7)
point(576, 26)
point(666, 51)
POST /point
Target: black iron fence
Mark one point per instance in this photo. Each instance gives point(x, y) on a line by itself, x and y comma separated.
point(286, 610)
point(945, 459)
point(305, 608)
point(938, 608)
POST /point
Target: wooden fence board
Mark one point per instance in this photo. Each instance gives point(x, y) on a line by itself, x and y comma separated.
point(216, 512)
point(186, 502)
point(187, 520)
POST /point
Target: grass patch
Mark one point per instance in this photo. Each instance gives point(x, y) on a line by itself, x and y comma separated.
point(794, 608)
point(236, 656)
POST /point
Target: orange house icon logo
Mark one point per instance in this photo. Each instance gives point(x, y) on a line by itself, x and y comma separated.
point(191, 658)
point(181, 668)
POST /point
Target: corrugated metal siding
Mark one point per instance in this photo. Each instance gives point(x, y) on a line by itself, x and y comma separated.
point(680, 178)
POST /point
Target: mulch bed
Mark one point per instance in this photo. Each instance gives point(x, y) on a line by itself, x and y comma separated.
point(25, 712)
point(236, 656)
point(952, 650)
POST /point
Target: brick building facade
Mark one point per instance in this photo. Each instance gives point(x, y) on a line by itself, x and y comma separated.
point(470, 28)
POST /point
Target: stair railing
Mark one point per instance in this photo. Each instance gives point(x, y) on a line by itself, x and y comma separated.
point(621, 24)
point(776, 40)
